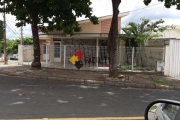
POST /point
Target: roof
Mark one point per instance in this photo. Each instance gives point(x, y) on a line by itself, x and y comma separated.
point(105, 17)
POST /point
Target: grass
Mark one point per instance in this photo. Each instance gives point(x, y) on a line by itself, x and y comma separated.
point(128, 67)
point(161, 82)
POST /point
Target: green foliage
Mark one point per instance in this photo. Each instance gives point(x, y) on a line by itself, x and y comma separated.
point(27, 41)
point(146, 30)
point(12, 45)
point(58, 14)
point(167, 3)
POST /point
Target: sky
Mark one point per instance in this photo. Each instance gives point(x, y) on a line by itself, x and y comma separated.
point(154, 12)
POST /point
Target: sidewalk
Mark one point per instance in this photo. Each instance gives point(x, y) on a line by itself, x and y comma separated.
point(126, 79)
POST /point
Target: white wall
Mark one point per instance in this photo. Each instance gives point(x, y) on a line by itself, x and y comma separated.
point(174, 66)
point(167, 58)
point(174, 33)
point(20, 54)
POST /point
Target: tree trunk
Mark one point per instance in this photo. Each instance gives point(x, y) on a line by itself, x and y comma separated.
point(112, 40)
point(36, 62)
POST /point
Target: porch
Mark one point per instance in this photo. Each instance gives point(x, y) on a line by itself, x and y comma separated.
point(57, 50)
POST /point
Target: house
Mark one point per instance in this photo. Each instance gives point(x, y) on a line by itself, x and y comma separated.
point(57, 47)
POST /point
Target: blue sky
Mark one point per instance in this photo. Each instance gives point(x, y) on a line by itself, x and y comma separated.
point(104, 7)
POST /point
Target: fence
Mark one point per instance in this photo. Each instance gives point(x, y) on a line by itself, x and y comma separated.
point(129, 58)
point(136, 58)
point(93, 57)
point(58, 56)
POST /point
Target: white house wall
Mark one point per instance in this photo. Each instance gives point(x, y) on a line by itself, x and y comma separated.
point(167, 58)
point(174, 66)
point(174, 33)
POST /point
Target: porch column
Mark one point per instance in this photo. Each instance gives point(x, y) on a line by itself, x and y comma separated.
point(97, 49)
point(46, 55)
point(51, 51)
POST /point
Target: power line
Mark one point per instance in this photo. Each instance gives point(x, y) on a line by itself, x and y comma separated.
point(145, 7)
point(11, 28)
point(12, 31)
point(13, 34)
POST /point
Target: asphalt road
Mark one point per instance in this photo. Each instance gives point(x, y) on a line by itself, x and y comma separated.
point(54, 99)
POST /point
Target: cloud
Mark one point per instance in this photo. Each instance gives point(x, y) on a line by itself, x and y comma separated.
point(171, 16)
point(104, 7)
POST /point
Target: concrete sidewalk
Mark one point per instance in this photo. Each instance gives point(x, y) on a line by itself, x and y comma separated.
point(86, 77)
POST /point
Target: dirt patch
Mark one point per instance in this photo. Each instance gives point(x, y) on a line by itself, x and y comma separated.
point(144, 78)
point(140, 77)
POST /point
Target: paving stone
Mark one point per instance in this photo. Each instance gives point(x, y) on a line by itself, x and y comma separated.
point(79, 80)
point(170, 88)
point(22, 75)
point(43, 77)
point(150, 86)
point(61, 79)
point(13, 74)
point(89, 81)
point(160, 87)
point(177, 88)
point(119, 84)
point(109, 83)
point(99, 82)
point(140, 85)
point(52, 78)
point(132, 85)
point(70, 80)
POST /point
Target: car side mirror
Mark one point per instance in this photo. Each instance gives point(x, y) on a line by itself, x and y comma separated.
point(163, 110)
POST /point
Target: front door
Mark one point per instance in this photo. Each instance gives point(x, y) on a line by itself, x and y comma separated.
point(44, 52)
point(57, 52)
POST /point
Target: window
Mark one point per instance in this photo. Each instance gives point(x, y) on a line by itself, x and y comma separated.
point(44, 48)
point(57, 50)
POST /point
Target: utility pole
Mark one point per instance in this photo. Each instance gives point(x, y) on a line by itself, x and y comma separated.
point(4, 16)
point(21, 35)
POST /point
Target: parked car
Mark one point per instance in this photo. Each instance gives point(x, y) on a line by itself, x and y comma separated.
point(2, 59)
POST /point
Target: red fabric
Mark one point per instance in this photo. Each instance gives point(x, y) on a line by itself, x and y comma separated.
point(79, 54)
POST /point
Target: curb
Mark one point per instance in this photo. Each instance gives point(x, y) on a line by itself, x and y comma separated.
point(100, 118)
point(95, 82)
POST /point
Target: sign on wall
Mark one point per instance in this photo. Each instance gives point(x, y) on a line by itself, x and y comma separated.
point(160, 66)
point(76, 59)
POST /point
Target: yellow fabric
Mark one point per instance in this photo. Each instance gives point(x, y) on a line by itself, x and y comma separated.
point(73, 59)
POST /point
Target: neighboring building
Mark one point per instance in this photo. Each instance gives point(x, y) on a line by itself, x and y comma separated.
point(91, 41)
point(172, 54)
point(153, 51)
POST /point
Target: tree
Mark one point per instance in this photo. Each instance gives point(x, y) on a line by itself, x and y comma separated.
point(27, 41)
point(146, 30)
point(12, 46)
point(58, 14)
point(112, 40)
point(1, 30)
point(136, 34)
point(167, 3)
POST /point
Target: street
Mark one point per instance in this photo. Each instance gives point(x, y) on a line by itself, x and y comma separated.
point(54, 99)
